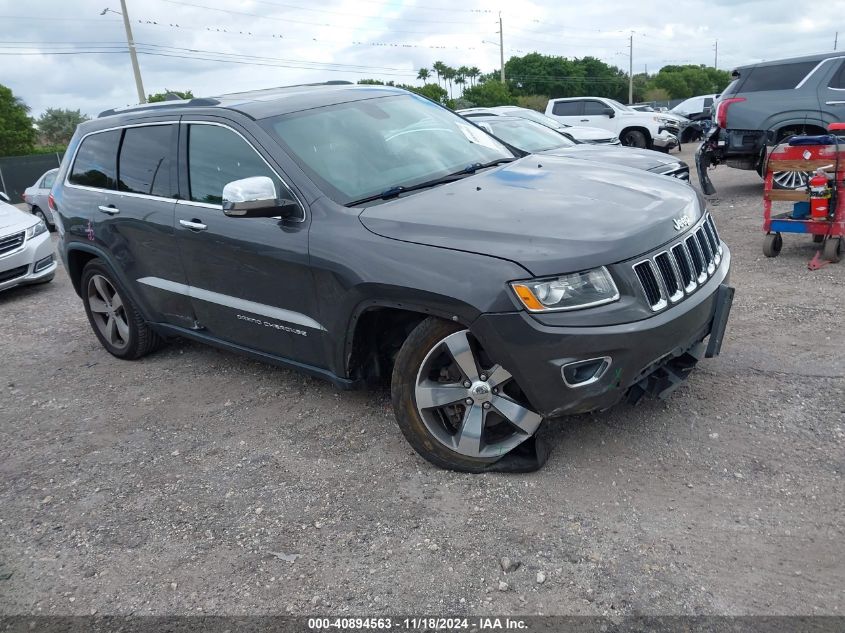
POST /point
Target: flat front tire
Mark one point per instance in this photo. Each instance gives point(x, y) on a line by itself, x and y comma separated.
point(456, 407)
point(116, 321)
point(634, 138)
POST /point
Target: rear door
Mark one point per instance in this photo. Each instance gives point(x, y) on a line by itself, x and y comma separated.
point(249, 278)
point(831, 91)
point(119, 189)
point(39, 198)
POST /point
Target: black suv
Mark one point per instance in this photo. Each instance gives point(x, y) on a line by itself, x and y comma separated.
point(364, 234)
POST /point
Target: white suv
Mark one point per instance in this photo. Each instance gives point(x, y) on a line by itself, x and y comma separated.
point(636, 129)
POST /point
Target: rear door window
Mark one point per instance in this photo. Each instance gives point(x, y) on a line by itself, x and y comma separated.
point(567, 108)
point(144, 165)
point(218, 156)
point(49, 179)
point(96, 161)
point(778, 77)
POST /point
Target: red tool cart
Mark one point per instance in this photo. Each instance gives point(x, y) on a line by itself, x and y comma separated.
point(819, 208)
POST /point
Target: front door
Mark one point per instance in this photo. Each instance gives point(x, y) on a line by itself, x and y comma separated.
point(249, 278)
point(595, 115)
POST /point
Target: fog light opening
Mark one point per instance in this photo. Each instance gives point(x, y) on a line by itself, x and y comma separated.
point(585, 372)
point(43, 264)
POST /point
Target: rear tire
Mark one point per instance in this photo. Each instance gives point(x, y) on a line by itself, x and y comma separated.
point(634, 138)
point(772, 244)
point(832, 249)
point(116, 321)
point(450, 424)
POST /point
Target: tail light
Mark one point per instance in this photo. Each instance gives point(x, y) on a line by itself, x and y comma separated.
point(51, 202)
point(722, 111)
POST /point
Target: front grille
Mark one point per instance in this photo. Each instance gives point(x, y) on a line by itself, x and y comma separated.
point(8, 275)
point(670, 275)
point(11, 242)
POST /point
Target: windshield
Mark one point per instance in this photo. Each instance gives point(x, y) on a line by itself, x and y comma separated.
point(527, 135)
point(542, 119)
point(693, 104)
point(362, 148)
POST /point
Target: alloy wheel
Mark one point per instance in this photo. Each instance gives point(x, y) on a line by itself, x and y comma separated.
point(470, 405)
point(108, 311)
point(790, 179)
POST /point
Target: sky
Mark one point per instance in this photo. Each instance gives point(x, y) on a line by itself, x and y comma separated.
point(55, 53)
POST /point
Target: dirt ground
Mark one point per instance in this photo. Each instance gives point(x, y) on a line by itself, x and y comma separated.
point(198, 481)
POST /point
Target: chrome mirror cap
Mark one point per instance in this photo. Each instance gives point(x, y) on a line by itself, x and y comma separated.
point(254, 189)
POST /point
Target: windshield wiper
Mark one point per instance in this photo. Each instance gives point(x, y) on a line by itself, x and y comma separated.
point(393, 192)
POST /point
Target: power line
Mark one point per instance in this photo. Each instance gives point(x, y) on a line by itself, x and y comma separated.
point(291, 20)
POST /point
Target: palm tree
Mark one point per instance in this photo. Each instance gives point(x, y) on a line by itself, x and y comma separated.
point(461, 80)
point(423, 74)
point(463, 73)
point(438, 68)
point(473, 74)
point(449, 74)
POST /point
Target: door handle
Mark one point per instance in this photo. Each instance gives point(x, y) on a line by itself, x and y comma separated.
point(834, 102)
point(194, 225)
point(109, 210)
point(585, 120)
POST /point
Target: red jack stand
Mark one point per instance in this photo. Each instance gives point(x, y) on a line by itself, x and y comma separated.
point(817, 261)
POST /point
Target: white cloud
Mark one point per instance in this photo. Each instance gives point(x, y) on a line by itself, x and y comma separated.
point(387, 39)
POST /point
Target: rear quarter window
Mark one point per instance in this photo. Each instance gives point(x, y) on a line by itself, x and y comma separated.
point(95, 164)
point(777, 77)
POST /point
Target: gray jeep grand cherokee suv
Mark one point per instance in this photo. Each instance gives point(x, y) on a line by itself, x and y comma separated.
point(767, 103)
point(364, 234)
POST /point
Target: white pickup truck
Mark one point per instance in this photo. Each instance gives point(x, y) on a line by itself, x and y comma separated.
point(636, 129)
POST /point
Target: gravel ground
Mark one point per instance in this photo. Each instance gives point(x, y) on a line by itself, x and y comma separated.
point(198, 481)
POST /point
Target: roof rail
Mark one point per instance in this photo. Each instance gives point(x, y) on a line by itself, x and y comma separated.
point(182, 103)
point(333, 82)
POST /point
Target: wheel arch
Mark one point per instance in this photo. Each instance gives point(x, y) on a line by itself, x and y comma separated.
point(376, 332)
point(78, 255)
point(638, 128)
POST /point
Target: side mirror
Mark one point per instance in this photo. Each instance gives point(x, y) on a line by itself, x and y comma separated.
point(256, 197)
point(4, 196)
point(609, 112)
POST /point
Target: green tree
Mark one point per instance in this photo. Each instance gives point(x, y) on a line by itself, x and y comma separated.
point(423, 75)
point(561, 77)
point(489, 93)
point(438, 68)
point(473, 74)
point(57, 125)
point(17, 134)
point(162, 96)
point(681, 82)
point(448, 75)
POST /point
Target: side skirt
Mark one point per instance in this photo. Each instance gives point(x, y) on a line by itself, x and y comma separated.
point(165, 329)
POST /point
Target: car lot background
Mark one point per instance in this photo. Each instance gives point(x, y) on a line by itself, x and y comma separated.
point(199, 481)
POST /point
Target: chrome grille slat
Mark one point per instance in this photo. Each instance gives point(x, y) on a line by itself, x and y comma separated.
point(669, 275)
point(11, 242)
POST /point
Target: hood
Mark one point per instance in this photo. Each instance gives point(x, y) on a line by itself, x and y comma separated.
point(644, 159)
point(13, 218)
point(550, 214)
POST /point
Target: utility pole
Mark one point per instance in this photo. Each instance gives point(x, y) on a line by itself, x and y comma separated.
point(501, 48)
point(835, 40)
point(716, 55)
point(132, 54)
point(631, 69)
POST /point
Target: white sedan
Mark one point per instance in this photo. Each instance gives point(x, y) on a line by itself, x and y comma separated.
point(26, 251)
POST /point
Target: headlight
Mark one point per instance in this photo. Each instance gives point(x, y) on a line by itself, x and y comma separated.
point(567, 292)
point(37, 229)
